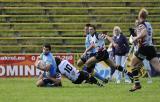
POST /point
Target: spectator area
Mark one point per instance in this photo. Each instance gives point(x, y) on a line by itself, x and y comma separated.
point(26, 24)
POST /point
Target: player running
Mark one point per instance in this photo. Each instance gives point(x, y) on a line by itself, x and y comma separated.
point(145, 50)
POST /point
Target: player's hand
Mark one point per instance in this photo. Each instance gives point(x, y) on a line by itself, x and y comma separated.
point(38, 58)
point(84, 53)
point(132, 39)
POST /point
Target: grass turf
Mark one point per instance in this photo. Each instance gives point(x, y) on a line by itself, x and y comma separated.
point(24, 90)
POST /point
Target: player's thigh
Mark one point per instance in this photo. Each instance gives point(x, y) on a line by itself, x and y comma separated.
point(80, 62)
point(110, 63)
point(39, 83)
point(135, 61)
point(91, 61)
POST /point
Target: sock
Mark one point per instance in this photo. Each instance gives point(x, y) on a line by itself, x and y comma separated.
point(84, 68)
point(97, 75)
point(135, 76)
point(93, 80)
point(119, 68)
point(112, 70)
point(90, 68)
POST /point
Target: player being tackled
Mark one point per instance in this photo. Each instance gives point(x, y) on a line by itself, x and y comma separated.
point(71, 73)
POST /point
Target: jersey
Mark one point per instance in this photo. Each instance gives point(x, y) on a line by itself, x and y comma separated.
point(49, 59)
point(147, 40)
point(68, 70)
point(98, 42)
point(88, 43)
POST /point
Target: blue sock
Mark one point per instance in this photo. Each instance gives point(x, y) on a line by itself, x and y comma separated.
point(84, 68)
point(97, 75)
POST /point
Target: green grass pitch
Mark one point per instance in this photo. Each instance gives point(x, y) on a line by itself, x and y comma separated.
point(24, 90)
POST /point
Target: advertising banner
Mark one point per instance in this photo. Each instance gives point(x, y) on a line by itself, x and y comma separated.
point(23, 65)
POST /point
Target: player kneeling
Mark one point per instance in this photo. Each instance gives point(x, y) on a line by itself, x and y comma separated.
point(47, 79)
point(76, 76)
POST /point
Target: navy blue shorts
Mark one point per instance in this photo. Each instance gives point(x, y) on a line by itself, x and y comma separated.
point(87, 56)
point(102, 55)
point(146, 52)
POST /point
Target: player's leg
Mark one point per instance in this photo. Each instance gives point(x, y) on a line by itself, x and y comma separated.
point(147, 68)
point(39, 82)
point(99, 76)
point(90, 65)
point(118, 67)
point(91, 79)
point(85, 76)
point(118, 73)
point(135, 63)
point(123, 64)
point(81, 61)
point(44, 81)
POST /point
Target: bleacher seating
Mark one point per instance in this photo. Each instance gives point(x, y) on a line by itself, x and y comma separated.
point(26, 24)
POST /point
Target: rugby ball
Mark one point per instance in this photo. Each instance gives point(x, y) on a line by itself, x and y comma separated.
point(41, 64)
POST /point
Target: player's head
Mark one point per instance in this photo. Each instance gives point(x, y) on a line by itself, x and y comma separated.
point(86, 28)
point(92, 29)
point(143, 13)
point(46, 48)
point(105, 32)
point(58, 60)
point(116, 30)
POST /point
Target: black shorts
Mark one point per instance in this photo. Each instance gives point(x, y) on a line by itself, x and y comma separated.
point(82, 76)
point(86, 57)
point(102, 55)
point(146, 52)
point(47, 81)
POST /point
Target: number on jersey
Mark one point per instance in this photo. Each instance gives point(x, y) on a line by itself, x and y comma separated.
point(68, 68)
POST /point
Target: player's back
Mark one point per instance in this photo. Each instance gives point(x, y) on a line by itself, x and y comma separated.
point(68, 70)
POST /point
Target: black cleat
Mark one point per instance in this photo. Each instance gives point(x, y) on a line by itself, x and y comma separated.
point(105, 81)
point(135, 87)
point(99, 84)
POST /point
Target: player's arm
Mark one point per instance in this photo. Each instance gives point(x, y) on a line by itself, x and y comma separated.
point(41, 66)
point(44, 68)
point(111, 40)
point(48, 64)
point(37, 62)
point(89, 48)
point(47, 67)
point(142, 34)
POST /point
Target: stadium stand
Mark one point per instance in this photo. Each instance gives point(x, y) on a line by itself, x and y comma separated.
point(26, 24)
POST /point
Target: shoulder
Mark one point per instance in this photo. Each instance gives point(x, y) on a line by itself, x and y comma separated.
point(50, 56)
point(141, 26)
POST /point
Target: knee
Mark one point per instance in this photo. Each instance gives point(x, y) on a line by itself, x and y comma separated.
point(80, 63)
point(39, 83)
